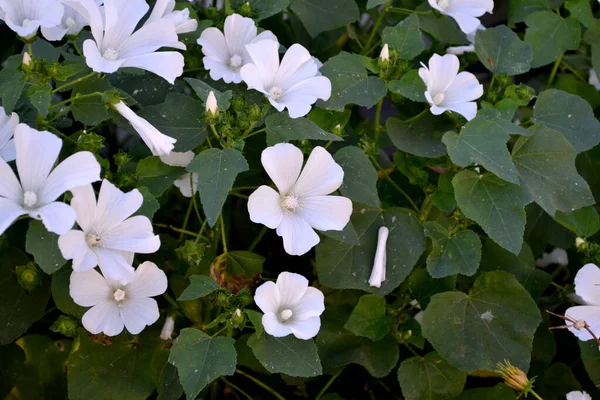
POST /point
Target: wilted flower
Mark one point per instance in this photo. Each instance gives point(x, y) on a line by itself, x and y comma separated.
point(464, 12)
point(556, 256)
point(578, 396)
point(26, 16)
point(587, 283)
point(302, 202)
point(295, 83)
point(514, 377)
point(8, 123)
point(290, 306)
point(187, 183)
point(379, 264)
point(179, 18)
point(448, 90)
point(72, 22)
point(168, 328)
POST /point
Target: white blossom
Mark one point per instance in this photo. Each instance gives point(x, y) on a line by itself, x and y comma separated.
point(187, 183)
point(179, 18)
point(26, 59)
point(158, 143)
point(593, 80)
point(579, 241)
point(40, 185)
point(578, 396)
point(464, 12)
point(379, 264)
point(108, 236)
point(449, 90)
point(556, 256)
point(116, 305)
point(295, 83)
point(72, 22)
point(587, 282)
point(25, 17)
point(168, 328)
point(211, 104)
point(290, 306)
point(459, 50)
point(302, 203)
point(8, 123)
point(225, 52)
point(385, 53)
point(117, 44)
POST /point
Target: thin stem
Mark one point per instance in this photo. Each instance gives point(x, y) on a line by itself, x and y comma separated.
point(416, 117)
point(219, 331)
point(241, 196)
point(196, 208)
point(400, 10)
point(535, 394)
point(59, 133)
point(378, 120)
point(258, 238)
point(187, 217)
point(553, 72)
point(409, 347)
point(171, 301)
point(75, 82)
point(328, 144)
point(261, 384)
point(327, 385)
point(30, 49)
point(376, 28)
point(573, 71)
point(223, 235)
point(234, 387)
point(246, 136)
point(395, 185)
point(373, 48)
point(174, 229)
point(237, 189)
point(73, 99)
point(77, 50)
point(200, 232)
point(492, 82)
point(214, 131)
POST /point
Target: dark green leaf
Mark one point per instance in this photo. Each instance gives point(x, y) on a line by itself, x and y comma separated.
point(501, 51)
point(369, 318)
point(375, 3)
point(588, 165)
point(60, 293)
point(581, 10)
point(360, 176)
point(13, 359)
point(147, 89)
point(591, 359)
point(584, 222)
point(156, 175)
point(12, 82)
point(282, 129)
point(264, 8)
point(498, 392)
point(550, 36)
point(244, 263)
point(92, 110)
point(452, 254)
point(150, 205)
point(423, 286)
point(422, 137)
point(443, 198)
point(203, 89)
point(200, 286)
point(318, 17)
point(518, 10)
point(405, 37)
point(40, 97)
point(43, 246)
point(410, 86)
point(442, 28)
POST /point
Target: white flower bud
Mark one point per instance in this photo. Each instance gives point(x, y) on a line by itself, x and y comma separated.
point(579, 242)
point(168, 328)
point(211, 104)
point(379, 264)
point(26, 59)
point(385, 53)
point(557, 256)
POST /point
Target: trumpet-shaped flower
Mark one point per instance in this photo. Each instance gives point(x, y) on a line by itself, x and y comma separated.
point(290, 306)
point(295, 84)
point(187, 183)
point(109, 235)
point(117, 44)
point(180, 18)
point(26, 16)
point(225, 52)
point(116, 305)
point(578, 396)
point(587, 283)
point(72, 23)
point(39, 187)
point(158, 143)
point(302, 203)
point(379, 264)
point(448, 90)
point(8, 123)
point(464, 12)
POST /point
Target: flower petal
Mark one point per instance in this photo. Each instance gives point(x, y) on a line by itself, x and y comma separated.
point(238, 32)
point(10, 188)
point(113, 265)
point(187, 187)
point(73, 246)
point(283, 163)
point(166, 64)
point(121, 18)
point(325, 213)
point(115, 206)
point(264, 207)
point(214, 45)
point(587, 284)
point(90, 12)
point(305, 329)
point(274, 327)
point(466, 22)
point(77, 170)
point(84, 204)
point(292, 287)
point(464, 88)
point(321, 175)
point(267, 297)
point(295, 57)
point(309, 90)
point(298, 236)
point(103, 317)
point(251, 76)
point(37, 152)
point(178, 159)
point(312, 304)
point(88, 288)
point(148, 281)
point(148, 39)
point(139, 313)
point(57, 217)
point(467, 110)
point(9, 212)
point(8, 152)
point(96, 61)
point(132, 235)
point(265, 56)
point(442, 70)
point(589, 314)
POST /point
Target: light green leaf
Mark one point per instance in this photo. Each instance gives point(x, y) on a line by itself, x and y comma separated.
point(546, 163)
point(405, 37)
point(318, 17)
point(203, 89)
point(497, 206)
point(150, 205)
point(200, 359)
point(550, 36)
point(200, 286)
point(12, 82)
point(501, 51)
point(369, 319)
point(43, 246)
point(581, 10)
point(518, 10)
point(40, 96)
point(244, 263)
point(584, 222)
point(410, 86)
point(452, 254)
point(360, 176)
point(157, 176)
point(217, 170)
point(282, 129)
point(348, 266)
point(350, 83)
point(430, 377)
point(422, 137)
point(496, 321)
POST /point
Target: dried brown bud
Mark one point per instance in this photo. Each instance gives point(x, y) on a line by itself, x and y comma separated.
point(514, 377)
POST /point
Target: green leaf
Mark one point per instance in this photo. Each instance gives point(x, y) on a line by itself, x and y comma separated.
point(369, 319)
point(157, 176)
point(581, 10)
point(518, 10)
point(360, 176)
point(483, 141)
point(570, 115)
point(200, 286)
point(40, 96)
point(591, 359)
point(443, 198)
point(496, 321)
point(350, 82)
point(217, 170)
point(501, 51)
point(150, 205)
point(43, 246)
point(347, 235)
point(550, 36)
point(422, 137)
point(13, 360)
point(497, 206)
point(316, 18)
point(288, 355)
point(498, 392)
point(588, 165)
point(452, 254)
point(146, 88)
point(558, 378)
point(90, 111)
point(12, 82)
point(546, 163)
point(203, 89)
point(60, 293)
point(375, 3)
point(410, 86)
point(583, 222)
point(264, 8)
point(178, 117)
point(68, 69)
point(423, 286)
point(442, 28)
point(282, 129)
point(244, 263)
point(430, 377)
point(405, 37)
point(200, 359)
point(348, 266)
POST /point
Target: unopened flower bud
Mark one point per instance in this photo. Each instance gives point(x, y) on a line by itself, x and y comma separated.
point(90, 142)
point(28, 276)
point(238, 318)
point(212, 109)
point(191, 252)
point(65, 325)
point(514, 377)
point(26, 59)
point(579, 242)
point(245, 298)
point(222, 299)
point(379, 264)
point(168, 327)
point(255, 113)
point(384, 56)
point(337, 130)
point(121, 159)
point(246, 9)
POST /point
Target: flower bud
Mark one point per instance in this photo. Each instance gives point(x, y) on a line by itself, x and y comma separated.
point(256, 113)
point(514, 377)
point(90, 142)
point(222, 299)
point(579, 242)
point(168, 327)
point(238, 318)
point(245, 298)
point(191, 253)
point(379, 264)
point(28, 276)
point(65, 325)
point(26, 60)
point(246, 9)
point(338, 130)
point(384, 56)
point(212, 109)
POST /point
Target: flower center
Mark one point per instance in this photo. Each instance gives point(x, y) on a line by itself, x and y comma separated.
point(69, 22)
point(276, 92)
point(29, 199)
point(119, 295)
point(110, 54)
point(438, 98)
point(26, 22)
point(286, 314)
point(235, 62)
point(579, 325)
point(444, 3)
point(289, 203)
point(93, 240)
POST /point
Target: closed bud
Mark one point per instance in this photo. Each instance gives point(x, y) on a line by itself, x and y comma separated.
point(222, 299)
point(246, 9)
point(338, 130)
point(256, 113)
point(90, 142)
point(28, 276)
point(26, 60)
point(384, 56)
point(212, 109)
point(65, 325)
point(121, 159)
point(514, 377)
point(238, 318)
point(168, 327)
point(245, 298)
point(191, 253)
point(579, 242)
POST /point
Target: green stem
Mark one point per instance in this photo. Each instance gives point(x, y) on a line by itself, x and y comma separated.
point(30, 49)
point(73, 99)
point(553, 72)
point(223, 234)
point(400, 10)
point(214, 131)
point(378, 120)
point(395, 185)
point(258, 238)
point(241, 196)
point(77, 50)
point(187, 217)
point(199, 235)
point(535, 394)
point(234, 387)
point(261, 384)
point(237, 189)
point(409, 347)
point(416, 117)
point(492, 82)
point(171, 301)
point(375, 28)
point(327, 385)
point(196, 208)
point(59, 133)
point(174, 229)
point(573, 71)
point(219, 331)
point(246, 136)
point(75, 82)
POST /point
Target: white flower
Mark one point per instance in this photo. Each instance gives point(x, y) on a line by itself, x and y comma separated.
point(26, 59)
point(158, 143)
point(302, 204)
point(211, 104)
point(8, 123)
point(26, 16)
point(448, 90)
point(557, 256)
point(179, 18)
point(290, 306)
point(115, 304)
point(225, 54)
point(109, 235)
point(39, 187)
point(295, 84)
point(186, 186)
point(72, 23)
point(379, 264)
point(168, 328)
point(385, 53)
point(459, 50)
point(587, 283)
point(464, 12)
point(579, 241)
point(593, 80)
point(116, 45)
point(578, 396)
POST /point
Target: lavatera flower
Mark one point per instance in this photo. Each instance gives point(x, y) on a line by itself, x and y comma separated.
point(26, 16)
point(72, 23)
point(290, 306)
point(186, 183)
point(448, 90)
point(8, 123)
point(587, 288)
point(116, 305)
point(302, 203)
point(40, 185)
point(578, 396)
point(464, 12)
point(109, 235)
